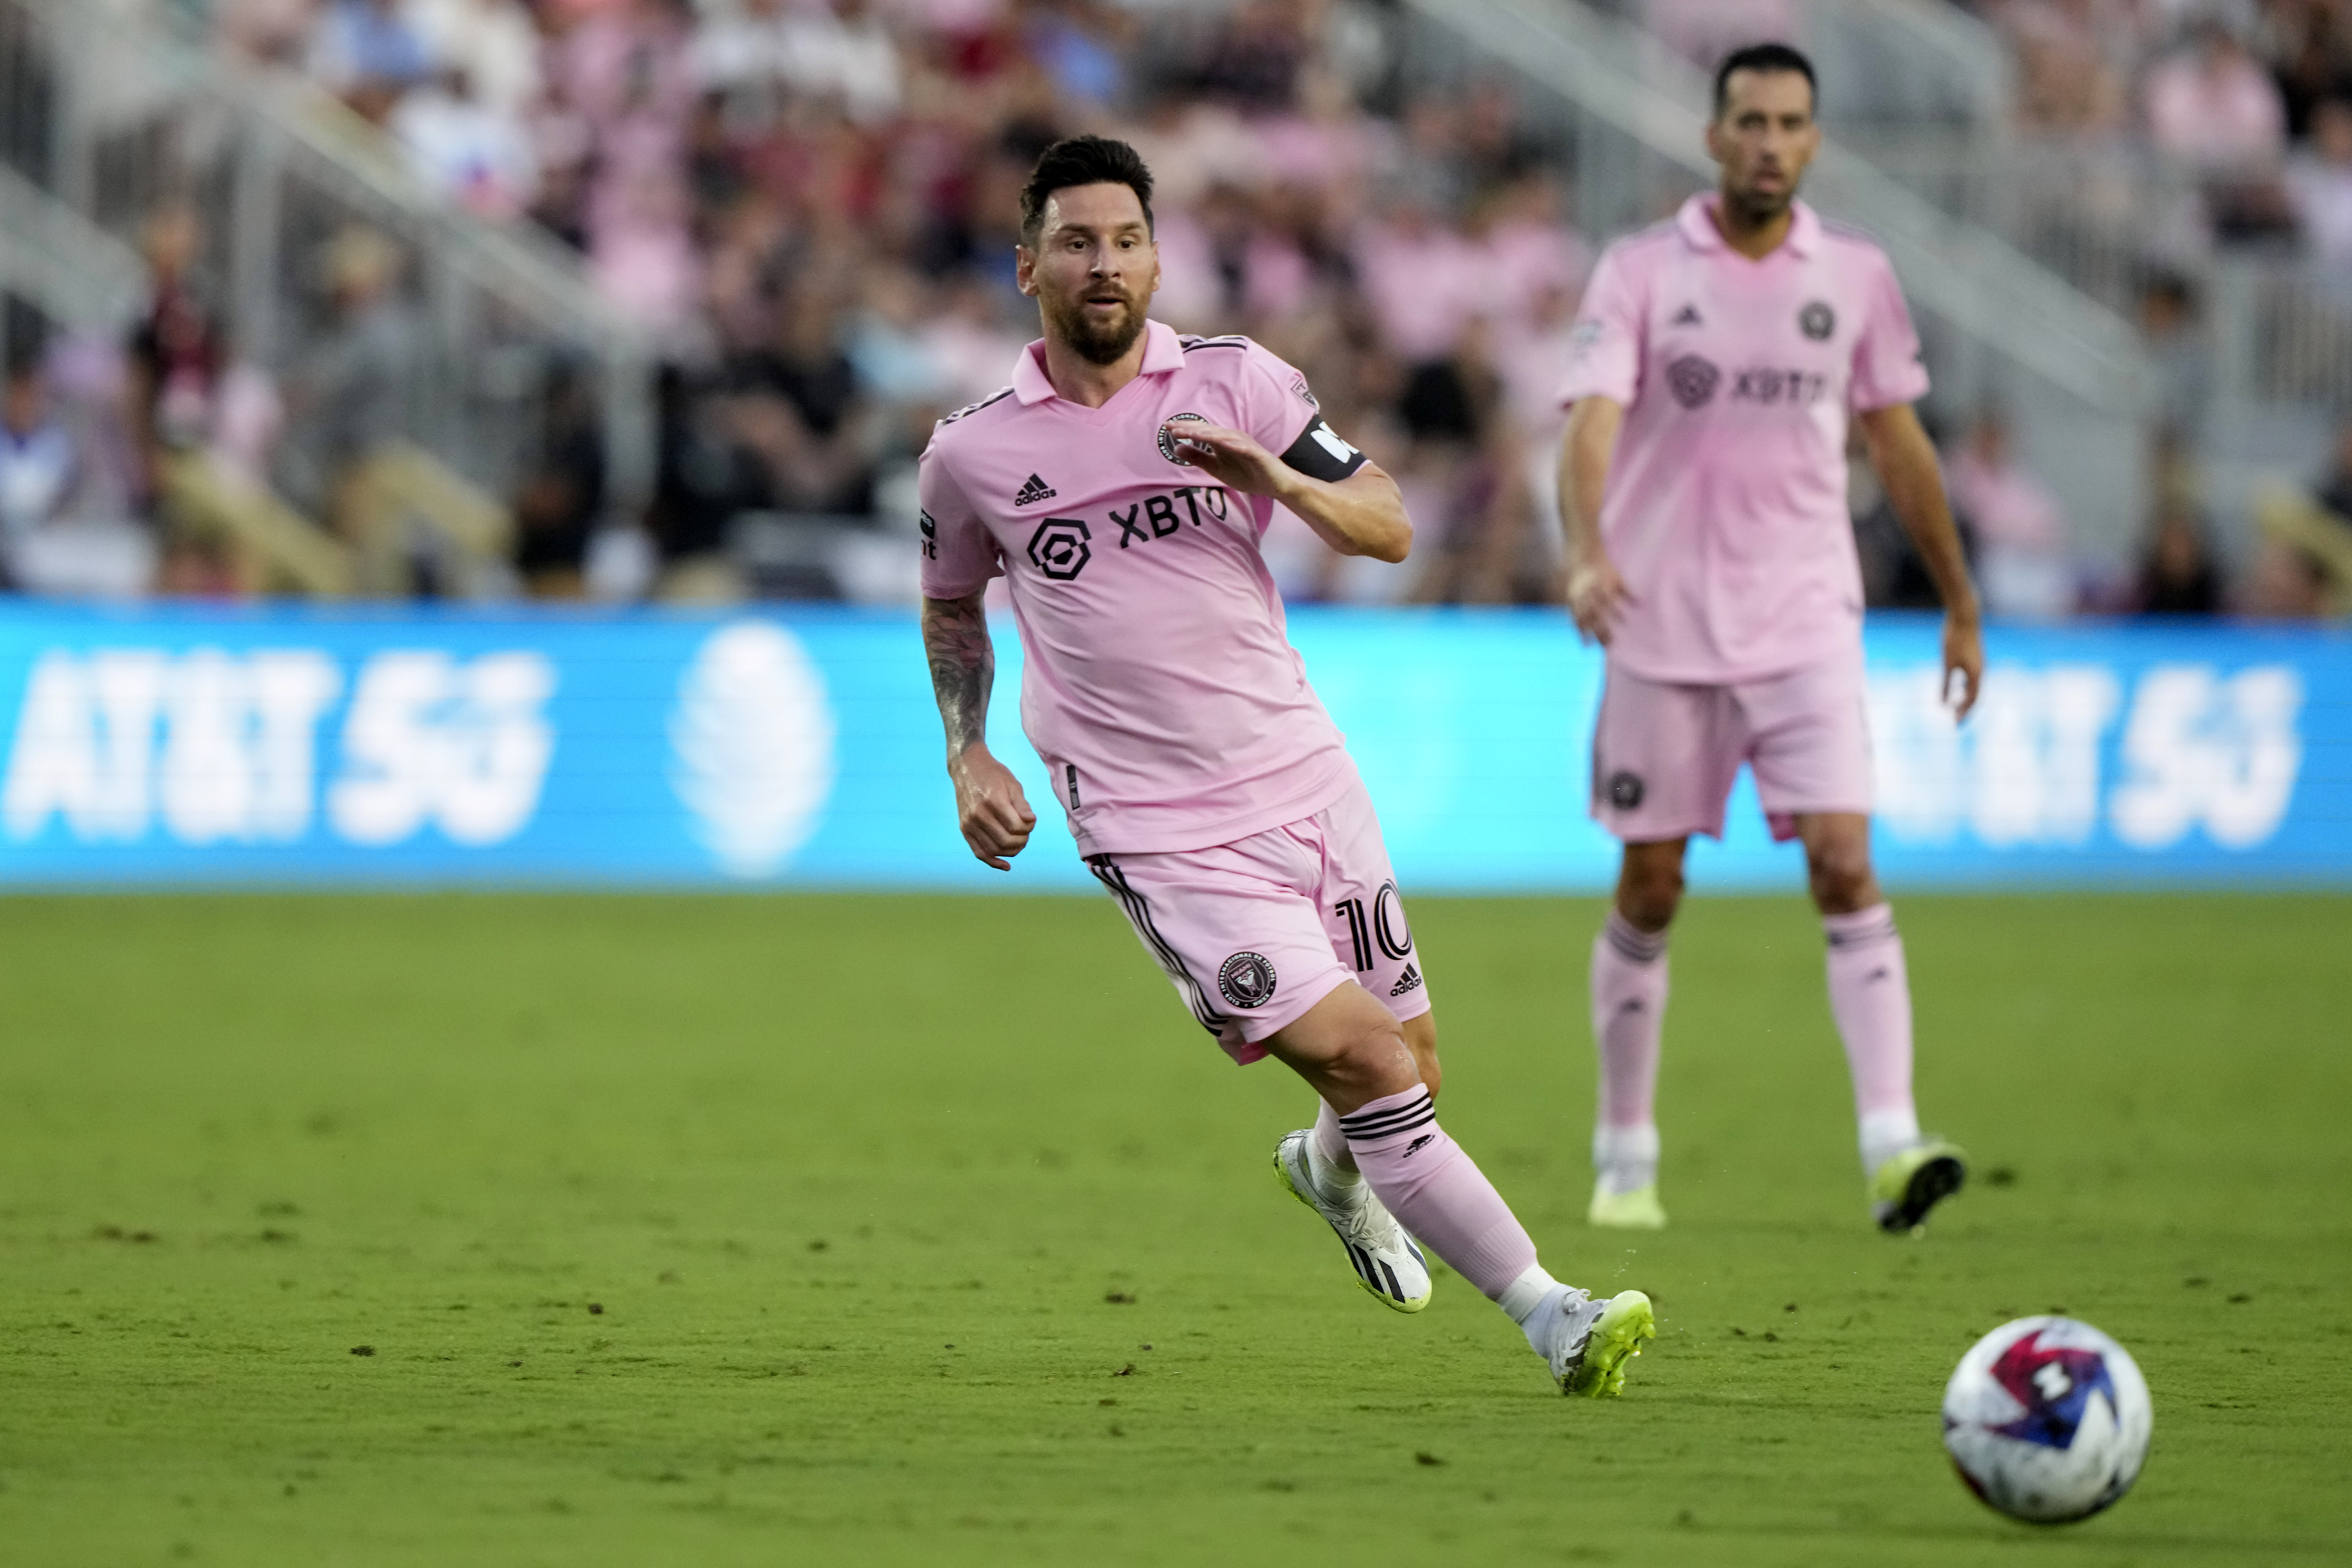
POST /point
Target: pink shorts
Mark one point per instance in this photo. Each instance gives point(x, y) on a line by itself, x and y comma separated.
point(1665, 755)
point(1256, 931)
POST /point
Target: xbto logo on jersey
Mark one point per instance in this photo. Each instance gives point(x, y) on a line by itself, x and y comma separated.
point(1155, 516)
point(1817, 321)
point(1692, 380)
point(1168, 437)
point(1059, 548)
point(1246, 979)
point(1767, 384)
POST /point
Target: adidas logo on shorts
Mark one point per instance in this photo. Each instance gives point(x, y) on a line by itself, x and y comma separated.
point(1409, 981)
point(1036, 491)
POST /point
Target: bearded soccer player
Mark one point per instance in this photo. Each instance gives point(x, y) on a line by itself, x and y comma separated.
point(1718, 361)
point(1121, 485)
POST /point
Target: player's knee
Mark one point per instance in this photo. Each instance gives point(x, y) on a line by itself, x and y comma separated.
point(1649, 895)
point(1420, 1038)
point(1373, 1059)
point(1841, 877)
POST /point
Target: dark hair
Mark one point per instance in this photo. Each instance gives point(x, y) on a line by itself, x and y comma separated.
point(1763, 58)
point(1081, 161)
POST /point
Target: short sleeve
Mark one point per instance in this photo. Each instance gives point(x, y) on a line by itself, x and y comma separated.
point(1604, 356)
point(1275, 400)
point(1283, 416)
point(1887, 367)
point(960, 555)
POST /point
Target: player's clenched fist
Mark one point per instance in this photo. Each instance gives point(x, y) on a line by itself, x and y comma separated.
point(1595, 596)
point(989, 808)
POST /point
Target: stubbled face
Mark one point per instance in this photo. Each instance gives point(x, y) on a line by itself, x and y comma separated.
point(1094, 270)
point(1763, 139)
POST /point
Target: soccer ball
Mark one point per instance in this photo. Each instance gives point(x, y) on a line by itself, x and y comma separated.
point(2047, 1420)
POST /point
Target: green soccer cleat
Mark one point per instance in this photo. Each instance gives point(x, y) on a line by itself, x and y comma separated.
point(1387, 1263)
point(1636, 1210)
point(1908, 1185)
point(1596, 1338)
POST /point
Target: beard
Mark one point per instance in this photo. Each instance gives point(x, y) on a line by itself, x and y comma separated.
point(1098, 342)
point(1754, 209)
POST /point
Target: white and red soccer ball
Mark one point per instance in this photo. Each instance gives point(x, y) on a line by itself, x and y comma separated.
point(2047, 1420)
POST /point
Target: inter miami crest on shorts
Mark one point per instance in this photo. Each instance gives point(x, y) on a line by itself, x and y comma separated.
point(1246, 979)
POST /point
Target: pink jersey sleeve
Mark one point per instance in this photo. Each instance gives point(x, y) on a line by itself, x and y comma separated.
point(1605, 353)
point(1277, 397)
point(960, 555)
point(1887, 367)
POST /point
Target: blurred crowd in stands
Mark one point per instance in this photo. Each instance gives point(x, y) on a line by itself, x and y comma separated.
point(810, 205)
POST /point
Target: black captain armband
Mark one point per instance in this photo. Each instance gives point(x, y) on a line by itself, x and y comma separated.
point(1319, 453)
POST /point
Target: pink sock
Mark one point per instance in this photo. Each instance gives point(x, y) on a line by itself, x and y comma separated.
point(1629, 1003)
point(1327, 1153)
point(1870, 996)
point(1436, 1192)
point(1330, 1142)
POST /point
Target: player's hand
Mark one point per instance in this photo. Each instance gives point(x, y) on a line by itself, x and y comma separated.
point(989, 808)
point(1233, 458)
point(1963, 663)
point(1596, 595)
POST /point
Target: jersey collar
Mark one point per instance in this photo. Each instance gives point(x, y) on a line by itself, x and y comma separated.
point(1696, 222)
point(1162, 351)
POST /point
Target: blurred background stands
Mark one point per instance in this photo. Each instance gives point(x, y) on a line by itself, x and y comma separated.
point(624, 297)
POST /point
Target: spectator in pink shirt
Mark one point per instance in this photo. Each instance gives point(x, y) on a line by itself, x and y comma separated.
point(2214, 110)
point(2020, 530)
point(2320, 183)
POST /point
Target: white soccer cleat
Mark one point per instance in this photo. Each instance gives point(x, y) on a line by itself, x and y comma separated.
point(1592, 1340)
point(1386, 1261)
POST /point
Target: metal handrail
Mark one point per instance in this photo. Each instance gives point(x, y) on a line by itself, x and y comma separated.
point(286, 123)
point(74, 271)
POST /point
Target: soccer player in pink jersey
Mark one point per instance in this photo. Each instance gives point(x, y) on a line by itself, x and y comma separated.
point(1121, 486)
point(1718, 361)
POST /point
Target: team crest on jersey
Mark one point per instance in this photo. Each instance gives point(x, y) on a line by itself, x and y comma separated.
point(1817, 321)
point(1306, 392)
point(1246, 979)
point(1168, 437)
point(1059, 548)
point(1692, 379)
point(1625, 790)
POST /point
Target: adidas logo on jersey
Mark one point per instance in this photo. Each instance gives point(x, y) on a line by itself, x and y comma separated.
point(1409, 981)
point(1686, 317)
point(1036, 491)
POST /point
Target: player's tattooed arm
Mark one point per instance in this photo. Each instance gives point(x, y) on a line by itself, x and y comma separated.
point(1596, 594)
point(990, 809)
point(1357, 510)
point(1906, 462)
point(963, 665)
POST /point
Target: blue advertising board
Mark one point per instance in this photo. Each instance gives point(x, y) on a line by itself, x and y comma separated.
point(183, 745)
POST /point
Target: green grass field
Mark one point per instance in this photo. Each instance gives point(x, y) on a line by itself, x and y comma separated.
point(515, 1230)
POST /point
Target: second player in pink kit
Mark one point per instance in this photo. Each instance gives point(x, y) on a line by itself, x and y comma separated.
point(1121, 485)
point(1718, 360)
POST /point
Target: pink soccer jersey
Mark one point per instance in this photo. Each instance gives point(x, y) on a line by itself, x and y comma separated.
point(1158, 684)
point(1726, 505)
